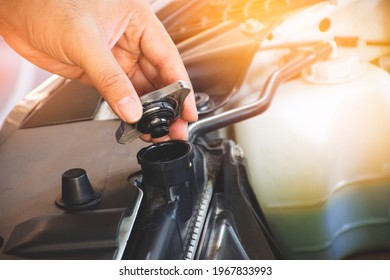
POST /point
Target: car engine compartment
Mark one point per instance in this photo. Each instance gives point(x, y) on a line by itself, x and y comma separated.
point(288, 160)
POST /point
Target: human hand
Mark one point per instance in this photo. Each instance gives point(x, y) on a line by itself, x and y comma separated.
point(118, 46)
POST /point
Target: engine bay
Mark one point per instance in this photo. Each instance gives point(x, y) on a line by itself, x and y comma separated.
point(289, 158)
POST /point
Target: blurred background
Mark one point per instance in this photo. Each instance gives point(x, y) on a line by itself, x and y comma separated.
point(17, 78)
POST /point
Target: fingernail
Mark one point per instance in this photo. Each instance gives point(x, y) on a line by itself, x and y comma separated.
point(129, 109)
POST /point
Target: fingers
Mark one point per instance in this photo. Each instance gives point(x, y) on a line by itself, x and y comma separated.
point(190, 113)
point(112, 82)
point(130, 67)
point(178, 130)
point(161, 56)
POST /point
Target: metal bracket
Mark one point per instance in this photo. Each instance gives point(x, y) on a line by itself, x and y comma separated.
point(160, 108)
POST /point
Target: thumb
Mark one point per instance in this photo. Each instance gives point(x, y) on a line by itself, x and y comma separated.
point(113, 84)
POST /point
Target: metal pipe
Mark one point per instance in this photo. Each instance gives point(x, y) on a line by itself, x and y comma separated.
point(287, 71)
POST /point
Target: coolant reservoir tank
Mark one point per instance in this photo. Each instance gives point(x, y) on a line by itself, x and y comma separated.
point(341, 67)
point(319, 160)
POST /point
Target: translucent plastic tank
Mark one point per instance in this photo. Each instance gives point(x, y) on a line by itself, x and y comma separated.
point(319, 161)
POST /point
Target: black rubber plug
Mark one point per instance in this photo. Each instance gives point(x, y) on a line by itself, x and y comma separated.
point(77, 191)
